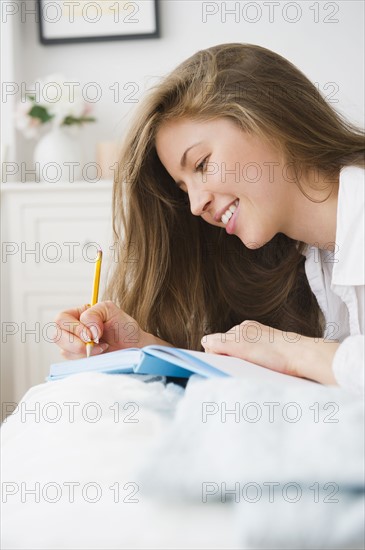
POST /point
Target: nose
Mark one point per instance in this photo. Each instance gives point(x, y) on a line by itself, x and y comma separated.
point(199, 201)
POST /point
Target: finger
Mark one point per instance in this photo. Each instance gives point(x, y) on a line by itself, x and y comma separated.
point(219, 340)
point(70, 343)
point(207, 341)
point(69, 321)
point(212, 343)
point(95, 317)
point(95, 350)
point(234, 339)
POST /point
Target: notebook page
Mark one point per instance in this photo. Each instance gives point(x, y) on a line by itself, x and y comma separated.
point(115, 361)
point(244, 369)
point(212, 364)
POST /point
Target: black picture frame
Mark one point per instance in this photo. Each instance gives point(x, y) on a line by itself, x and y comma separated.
point(45, 34)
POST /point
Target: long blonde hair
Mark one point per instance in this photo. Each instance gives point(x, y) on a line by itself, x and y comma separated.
point(178, 276)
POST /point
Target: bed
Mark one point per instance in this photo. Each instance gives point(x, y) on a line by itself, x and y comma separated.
point(98, 461)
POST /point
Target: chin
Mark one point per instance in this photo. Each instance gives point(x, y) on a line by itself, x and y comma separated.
point(254, 244)
point(257, 240)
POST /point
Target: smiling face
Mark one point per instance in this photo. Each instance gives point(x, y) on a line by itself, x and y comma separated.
point(230, 176)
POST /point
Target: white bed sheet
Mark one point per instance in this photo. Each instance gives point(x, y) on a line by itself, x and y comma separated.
point(149, 439)
point(106, 453)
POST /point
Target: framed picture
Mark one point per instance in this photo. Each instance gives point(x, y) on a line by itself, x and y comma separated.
point(70, 21)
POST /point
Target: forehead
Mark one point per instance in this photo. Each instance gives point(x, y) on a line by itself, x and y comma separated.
point(182, 130)
point(176, 126)
point(172, 138)
point(187, 124)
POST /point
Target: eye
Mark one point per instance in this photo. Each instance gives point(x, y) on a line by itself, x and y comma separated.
point(202, 165)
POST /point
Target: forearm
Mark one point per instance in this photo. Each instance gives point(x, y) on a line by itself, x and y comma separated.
point(330, 362)
point(314, 360)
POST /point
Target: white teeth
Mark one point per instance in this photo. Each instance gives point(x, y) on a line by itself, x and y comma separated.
point(229, 212)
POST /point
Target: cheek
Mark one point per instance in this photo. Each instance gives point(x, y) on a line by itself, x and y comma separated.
point(261, 192)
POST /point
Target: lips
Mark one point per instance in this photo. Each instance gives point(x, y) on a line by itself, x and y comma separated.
point(231, 224)
point(230, 212)
point(219, 214)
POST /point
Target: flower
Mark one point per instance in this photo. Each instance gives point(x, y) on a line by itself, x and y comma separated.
point(28, 125)
point(56, 101)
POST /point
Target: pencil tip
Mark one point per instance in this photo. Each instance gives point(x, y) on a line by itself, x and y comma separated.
point(88, 350)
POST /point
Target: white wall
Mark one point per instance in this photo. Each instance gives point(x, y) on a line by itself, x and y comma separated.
point(10, 41)
point(331, 54)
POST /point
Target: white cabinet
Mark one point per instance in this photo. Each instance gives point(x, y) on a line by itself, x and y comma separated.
point(50, 235)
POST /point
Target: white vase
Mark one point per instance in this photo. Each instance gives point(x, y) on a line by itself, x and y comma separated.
point(58, 155)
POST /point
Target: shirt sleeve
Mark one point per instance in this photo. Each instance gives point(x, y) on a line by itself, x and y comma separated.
point(348, 364)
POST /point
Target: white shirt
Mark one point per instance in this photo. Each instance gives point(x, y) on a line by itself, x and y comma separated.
point(337, 279)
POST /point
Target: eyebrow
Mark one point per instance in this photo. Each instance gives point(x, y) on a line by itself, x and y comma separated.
point(183, 158)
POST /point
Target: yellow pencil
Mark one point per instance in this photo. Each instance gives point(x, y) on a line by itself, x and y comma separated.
point(95, 292)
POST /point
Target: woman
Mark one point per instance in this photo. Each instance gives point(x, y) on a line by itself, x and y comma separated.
point(238, 212)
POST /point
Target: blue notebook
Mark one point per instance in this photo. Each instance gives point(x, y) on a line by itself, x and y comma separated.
point(162, 360)
point(168, 361)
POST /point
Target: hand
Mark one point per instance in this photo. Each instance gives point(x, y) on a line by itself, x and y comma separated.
point(105, 323)
point(285, 352)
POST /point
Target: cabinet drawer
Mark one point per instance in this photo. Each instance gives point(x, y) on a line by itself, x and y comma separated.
point(67, 238)
point(60, 241)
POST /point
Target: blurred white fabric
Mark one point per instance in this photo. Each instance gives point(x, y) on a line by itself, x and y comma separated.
point(153, 466)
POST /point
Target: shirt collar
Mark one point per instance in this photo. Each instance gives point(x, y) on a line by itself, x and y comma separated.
point(348, 258)
point(348, 267)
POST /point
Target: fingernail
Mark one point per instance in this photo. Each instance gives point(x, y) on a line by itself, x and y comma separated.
point(100, 348)
point(94, 332)
point(84, 335)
